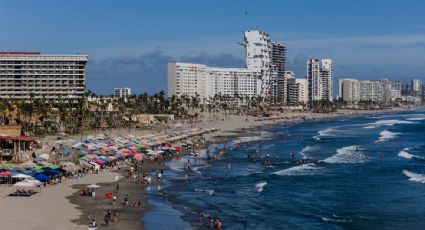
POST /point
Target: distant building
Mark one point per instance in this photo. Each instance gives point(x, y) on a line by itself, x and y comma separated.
point(352, 90)
point(320, 79)
point(122, 92)
point(416, 85)
point(25, 75)
point(265, 62)
point(288, 75)
point(206, 82)
point(297, 91)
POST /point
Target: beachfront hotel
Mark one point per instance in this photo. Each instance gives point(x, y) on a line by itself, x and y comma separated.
point(122, 92)
point(265, 64)
point(320, 79)
point(25, 75)
point(195, 79)
point(352, 91)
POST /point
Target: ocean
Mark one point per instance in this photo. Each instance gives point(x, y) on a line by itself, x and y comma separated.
point(365, 172)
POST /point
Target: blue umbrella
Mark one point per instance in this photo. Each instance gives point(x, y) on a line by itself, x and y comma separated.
point(40, 177)
point(66, 151)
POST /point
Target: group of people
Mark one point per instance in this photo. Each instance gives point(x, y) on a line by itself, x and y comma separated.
point(111, 217)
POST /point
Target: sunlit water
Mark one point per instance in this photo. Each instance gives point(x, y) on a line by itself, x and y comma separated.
point(369, 174)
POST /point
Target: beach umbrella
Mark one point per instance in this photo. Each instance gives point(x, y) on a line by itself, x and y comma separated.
point(43, 156)
point(5, 174)
point(54, 166)
point(93, 186)
point(109, 196)
point(67, 151)
point(28, 183)
point(21, 176)
point(40, 177)
point(7, 166)
point(138, 156)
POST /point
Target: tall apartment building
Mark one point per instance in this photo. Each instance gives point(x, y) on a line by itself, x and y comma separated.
point(265, 60)
point(279, 62)
point(416, 85)
point(122, 92)
point(25, 75)
point(320, 79)
point(297, 91)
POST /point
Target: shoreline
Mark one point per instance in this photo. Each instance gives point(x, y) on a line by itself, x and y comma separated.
point(226, 136)
point(73, 213)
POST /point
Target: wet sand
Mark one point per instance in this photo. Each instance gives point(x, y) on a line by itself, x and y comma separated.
point(96, 207)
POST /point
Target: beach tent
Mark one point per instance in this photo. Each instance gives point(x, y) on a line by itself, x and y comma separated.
point(50, 172)
point(21, 176)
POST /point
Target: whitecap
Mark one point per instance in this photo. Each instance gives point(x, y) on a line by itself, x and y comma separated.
point(416, 119)
point(347, 155)
point(336, 220)
point(300, 170)
point(386, 135)
point(416, 177)
point(260, 186)
point(405, 155)
point(308, 149)
point(381, 123)
point(328, 132)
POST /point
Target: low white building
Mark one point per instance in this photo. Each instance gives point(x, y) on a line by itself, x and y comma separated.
point(353, 90)
point(122, 92)
point(195, 79)
point(297, 91)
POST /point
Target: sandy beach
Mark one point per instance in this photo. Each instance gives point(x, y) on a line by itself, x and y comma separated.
point(61, 207)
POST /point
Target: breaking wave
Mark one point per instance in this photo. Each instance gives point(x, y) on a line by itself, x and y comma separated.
point(407, 155)
point(416, 119)
point(308, 149)
point(329, 132)
point(300, 170)
point(347, 155)
point(381, 123)
point(416, 177)
point(260, 186)
point(386, 135)
point(336, 219)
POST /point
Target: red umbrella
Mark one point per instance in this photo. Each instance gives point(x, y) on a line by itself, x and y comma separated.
point(109, 196)
point(138, 156)
point(5, 174)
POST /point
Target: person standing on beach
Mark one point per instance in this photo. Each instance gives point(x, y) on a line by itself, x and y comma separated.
point(115, 216)
point(117, 187)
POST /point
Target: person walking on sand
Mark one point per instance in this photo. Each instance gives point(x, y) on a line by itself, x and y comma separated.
point(114, 199)
point(115, 216)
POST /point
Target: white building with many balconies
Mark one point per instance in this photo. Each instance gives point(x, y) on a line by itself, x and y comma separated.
point(25, 75)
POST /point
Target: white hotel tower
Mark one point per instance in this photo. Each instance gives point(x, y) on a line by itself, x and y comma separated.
point(31, 74)
point(259, 78)
point(320, 79)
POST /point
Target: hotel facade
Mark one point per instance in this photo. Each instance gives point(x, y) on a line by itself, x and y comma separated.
point(25, 75)
point(265, 62)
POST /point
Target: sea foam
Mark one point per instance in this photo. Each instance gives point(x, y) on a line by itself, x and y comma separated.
point(299, 170)
point(329, 132)
point(381, 123)
point(347, 155)
point(386, 135)
point(407, 155)
point(308, 149)
point(416, 177)
point(260, 186)
point(416, 119)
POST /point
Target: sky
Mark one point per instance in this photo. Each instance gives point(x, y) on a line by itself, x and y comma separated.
point(129, 43)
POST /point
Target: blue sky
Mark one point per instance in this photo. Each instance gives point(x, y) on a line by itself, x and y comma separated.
point(130, 42)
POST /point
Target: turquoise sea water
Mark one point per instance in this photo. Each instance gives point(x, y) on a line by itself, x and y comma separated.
point(368, 172)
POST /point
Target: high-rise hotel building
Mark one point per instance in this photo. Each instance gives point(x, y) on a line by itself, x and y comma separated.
point(320, 79)
point(265, 62)
point(25, 75)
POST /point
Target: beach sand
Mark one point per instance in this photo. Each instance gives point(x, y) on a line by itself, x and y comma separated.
point(61, 207)
point(49, 209)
